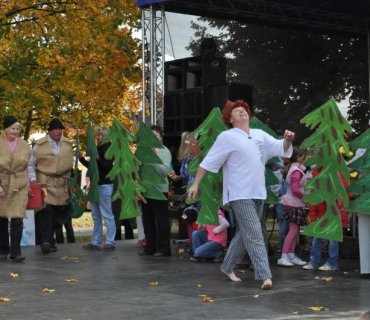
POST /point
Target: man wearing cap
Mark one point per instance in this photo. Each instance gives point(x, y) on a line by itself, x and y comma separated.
point(51, 163)
point(14, 156)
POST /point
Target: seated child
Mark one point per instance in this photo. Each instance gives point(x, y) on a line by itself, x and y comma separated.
point(189, 218)
point(209, 241)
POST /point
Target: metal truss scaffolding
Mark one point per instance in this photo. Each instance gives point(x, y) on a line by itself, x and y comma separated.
point(320, 15)
point(153, 45)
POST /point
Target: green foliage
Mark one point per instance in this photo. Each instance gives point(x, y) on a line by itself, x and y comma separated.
point(77, 197)
point(149, 175)
point(327, 186)
point(270, 178)
point(361, 186)
point(210, 188)
point(92, 171)
point(125, 171)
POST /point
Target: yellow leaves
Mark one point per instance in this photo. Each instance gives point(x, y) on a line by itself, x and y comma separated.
point(2, 299)
point(240, 271)
point(199, 285)
point(353, 174)
point(181, 250)
point(153, 283)
point(205, 298)
point(69, 258)
point(71, 280)
point(14, 275)
point(47, 290)
point(327, 279)
point(318, 309)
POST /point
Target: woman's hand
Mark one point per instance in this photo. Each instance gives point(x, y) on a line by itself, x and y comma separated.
point(30, 194)
point(176, 178)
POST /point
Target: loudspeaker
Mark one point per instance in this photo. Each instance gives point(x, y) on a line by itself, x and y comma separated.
point(193, 73)
point(217, 94)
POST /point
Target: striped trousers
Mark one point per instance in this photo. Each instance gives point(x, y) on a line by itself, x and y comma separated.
point(248, 238)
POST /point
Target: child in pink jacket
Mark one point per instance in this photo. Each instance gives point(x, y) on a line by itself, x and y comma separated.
point(209, 241)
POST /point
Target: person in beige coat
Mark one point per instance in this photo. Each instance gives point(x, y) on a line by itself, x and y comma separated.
point(14, 188)
point(51, 164)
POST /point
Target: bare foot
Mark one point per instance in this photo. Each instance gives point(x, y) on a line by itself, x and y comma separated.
point(267, 284)
point(232, 276)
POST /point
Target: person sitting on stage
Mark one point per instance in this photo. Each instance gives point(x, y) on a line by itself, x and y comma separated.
point(209, 241)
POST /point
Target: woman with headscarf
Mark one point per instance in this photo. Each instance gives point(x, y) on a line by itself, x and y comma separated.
point(14, 188)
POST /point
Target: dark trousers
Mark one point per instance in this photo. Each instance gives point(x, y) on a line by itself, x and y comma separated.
point(16, 230)
point(47, 220)
point(59, 236)
point(157, 226)
point(129, 232)
point(66, 221)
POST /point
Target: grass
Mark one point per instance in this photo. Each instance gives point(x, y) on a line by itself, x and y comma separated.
point(85, 221)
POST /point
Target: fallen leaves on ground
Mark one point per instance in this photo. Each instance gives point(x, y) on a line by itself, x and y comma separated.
point(68, 258)
point(317, 309)
point(2, 299)
point(153, 283)
point(47, 290)
point(199, 285)
point(71, 280)
point(205, 298)
point(181, 250)
point(327, 279)
point(14, 275)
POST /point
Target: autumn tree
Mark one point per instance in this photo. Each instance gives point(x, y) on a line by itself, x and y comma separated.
point(69, 59)
point(330, 129)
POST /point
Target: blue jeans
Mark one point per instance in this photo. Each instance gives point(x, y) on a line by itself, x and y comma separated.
point(283, 231)
point(203, 248)
point(102, 210)
point(333, 253)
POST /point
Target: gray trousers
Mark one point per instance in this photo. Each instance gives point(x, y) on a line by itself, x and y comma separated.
point(364, 242)
point(248, 237)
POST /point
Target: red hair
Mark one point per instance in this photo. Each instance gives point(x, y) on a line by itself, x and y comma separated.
point(230, 106)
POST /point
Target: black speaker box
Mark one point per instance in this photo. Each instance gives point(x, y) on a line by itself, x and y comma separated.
point(217, 94)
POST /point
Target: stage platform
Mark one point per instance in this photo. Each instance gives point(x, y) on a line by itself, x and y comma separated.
point(122, 285)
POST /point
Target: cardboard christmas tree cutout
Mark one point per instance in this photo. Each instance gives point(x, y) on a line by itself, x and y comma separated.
point(270, 178)
point(210, 188)
point(149, 175)
point(327, 186)
point(362, 185)
point(125, 170)
point(78, 200)
point(92, 171)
